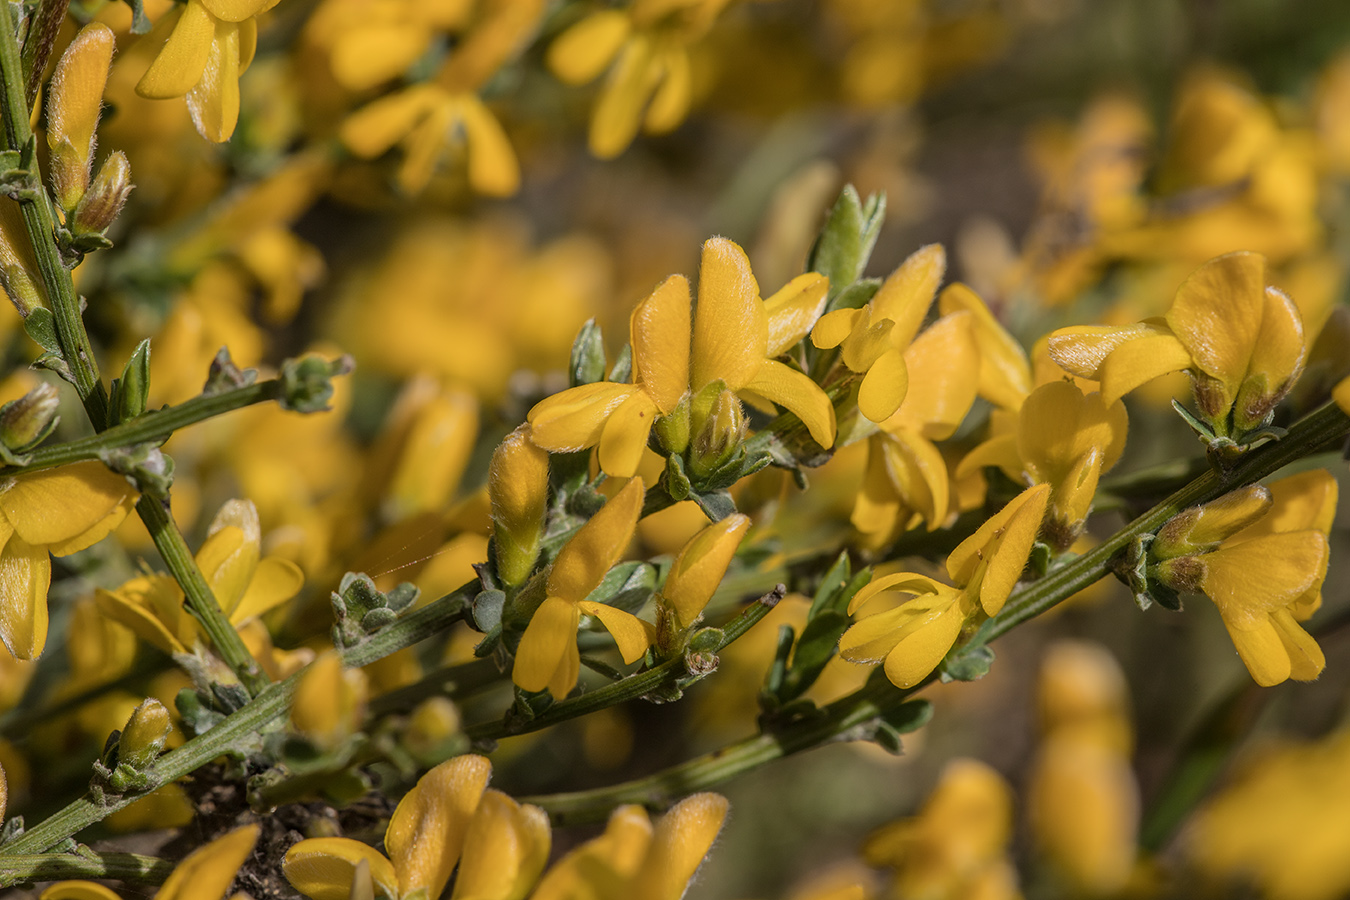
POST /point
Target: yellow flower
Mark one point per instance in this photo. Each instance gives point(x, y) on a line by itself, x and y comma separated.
point(1241, 340)
point(518, 488)
point(957, 845)
point(1065, 439)
point(57, 511)
point(245, 584)
point(634, 861)
point(447, 814)
point(699, 567)
point(210, 46)
point(651, 83)
point(1266, 576)
point(205, 874)
point(547, 657)
point(733, 339)
point(913, 638)
point(330, 701)
point(426, 117)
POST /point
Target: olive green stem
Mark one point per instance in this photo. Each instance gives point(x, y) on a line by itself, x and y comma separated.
point(84, 864)
point(150, 428)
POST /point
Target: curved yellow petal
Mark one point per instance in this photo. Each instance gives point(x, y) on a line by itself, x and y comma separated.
point(98, 531)
point(1306, 660)
point(597, 545)
point(78, 890)
point(426, 832)
point(920, 475)
point(834, 327)
point(58, 505)
point(797, 393)
point(1276, 361)
point(700, 565)
point(869, 340)
point(1305, 500)
point(248, 43)
point(183, 58)
point(214, 100)
point(679, 843)
point(1249, 579)
point(659, 329)
point(122, 606)
point(207, 872)
point(907, 293)
point(1137, 362)
point(1262, 651)
point(493, 168)
point(900, 583)
point(547, 647)
point(1081, 349)
point(227, 560)
point(321, 868)
point(618, 111)
point(1000, 452)
point(631, 634)
point(575, 418)
point(670, 103)
point(504, 851)
point(730, 332)
point(1058, 425)
point(1217, 315)
point(582, 52)
point(1341, 394)
point(872, 637)
point(377, 52)
point(793, 310)
point(1001, 546)
point(381, 124)
point(25, 575)
point(425, 145)
point(624, 436)
point(275, 581)
point(919, 652)
point(884, 386)
point(1005, 371)
point(877, 504)
point(76, 90)
point(237, 10)
point(944, 375)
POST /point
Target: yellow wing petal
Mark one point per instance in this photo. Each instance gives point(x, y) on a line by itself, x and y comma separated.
point(618, 111)
point(670, 103)
point(1005, 371)
point(426, 832)
point(575, 418)
point(25, 574)
point(379, 125)
point(625, 435)
point(597, 545)
point(206, 873)
point(547, 646)
point(797, 393)
point(680, 841)
point(794, 309)
point(493, 169)
point(834, 327)
point(182, 60)
point(920, 651)
point(700, 565)
point(505, 850)
point(583, 51)
point(321, 868)
point(275, 581)
point(214, 100)
point(905, 296)
point(884, 386)
point(944, 375)
point(1137, 362)
point(237, 10)
point(632, 634)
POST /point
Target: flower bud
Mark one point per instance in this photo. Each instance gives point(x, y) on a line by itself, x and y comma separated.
point(104, 199)
point(76, 95)
point(144, 735)
point(699, 568)
point(673, 429)
point(26, 421)
point(518, 491)
point(718, 432)
point(1201, 528)
point(432, 726)
point(330, 702)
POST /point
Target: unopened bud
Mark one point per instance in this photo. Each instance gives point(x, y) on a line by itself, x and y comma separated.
point(28, 420)
point(588, 355)
point(145, 734)
point(21, 289)
point(73, 104)
point(673, 429)
point(518, 489)
point(104, 199)
point(433, 725)
point(718, 436)
point(1201, 528)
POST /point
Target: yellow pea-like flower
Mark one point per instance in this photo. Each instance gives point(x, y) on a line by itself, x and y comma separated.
point(733, 339)
point(205, 874)
point(700, 565)
point(505, 849)
point(547, 657)
point(57, 511)
point(330, 701)
point(518, 490)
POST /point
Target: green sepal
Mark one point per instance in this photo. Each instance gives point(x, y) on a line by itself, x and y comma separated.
point(716, 505)
point(622, 373)
point(970, 663)
point(147, 467)
point(907, 717)
point(856, 295)
point(587, 365)
point(224, 375)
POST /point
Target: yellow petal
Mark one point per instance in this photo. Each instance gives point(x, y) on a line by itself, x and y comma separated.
point(237, 10)
point(1137, 362)
point(78, 890)
point(624, 437)
point(1262, 651)
point(919, 473)
point(1306, 660)
point(98, 531)
point(660, 333)
point(884, 386)
point(426, 831)
point(1217, 315)
point(1276, 361)
point(493, 169)
point(797, 393)
point(377, 52)
point(1001, 545)
point(998, 451)
point(379, 125)
point(1249, 579)
point(575, 418)
point(207, 872)
point(872, 638)
point(870, 338)
point(631, 634)
point(1058, 425)
point(793, 310)
point(131, 605)
point(1305, 500)
point(730, 334)
point(679, 843)
point(618, 111)
point(76, 89)
point(944, 374)
point(248, 43)
point(228, 560)
point(597, 545)
point(505, 850)
point(545, 655)
point(670, 103)
point(1005, 371)
point(905, 296)
point(322, 868)
point(518, 491)
point(920, 651)
point(1341, 394)
point(901, 583)
point(583, 51)
point(834, 327)
point(59, 505)
point(700, 565)
point(424, 146)
point(275, 581)
point(877, 505)
point(214, 100)
point(25, 574)
point(1081, 350)
point(182, 60)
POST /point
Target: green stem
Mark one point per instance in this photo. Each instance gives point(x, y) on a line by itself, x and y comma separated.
point(150, 428)
point(41, 226)
point(36, 867)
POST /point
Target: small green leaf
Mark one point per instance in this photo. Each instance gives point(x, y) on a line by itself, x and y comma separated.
point(627, 586)
point(845, 243)
point(818, 644)
point(968, 664)
point(716, 505)
point(41, 327)
point(134, 385)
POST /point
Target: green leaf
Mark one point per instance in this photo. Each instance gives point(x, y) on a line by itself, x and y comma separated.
point(817, 646)
point(627, 586)
point(906, 718)
point(856, 295)
point(140, 23)
point(845, 243)
point(485, 610)
point(968, 664)
point(716, 505)
point(134, 385)
point(41, 327)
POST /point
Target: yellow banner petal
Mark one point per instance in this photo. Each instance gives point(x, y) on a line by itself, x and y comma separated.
point(58, 505)
point(1217, 315)
point(182, 61)
point(76, 89)
point(426, 832)
point(1249, 579)
point(731, 329)
point(206, 873)
point(322, 868)
point(944, 376)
